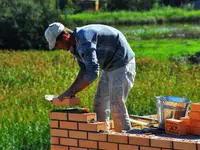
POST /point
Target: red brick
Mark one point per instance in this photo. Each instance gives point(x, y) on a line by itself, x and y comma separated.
point(53, 124)
point(78, 134)
point(128, 147)
point(68, 141)
point(66, 102)
point(161, 143)
point(96, 127)
point(195, 123)
point(84, 117)
point(118, 138)
point(54, 140)
point(176, 127)
point(58, 132)
point(57, 147)
point(195, 107)
point(149, 148)
point(198, 146)
point(137, 140)
point(58, 115)
point(97, 136)
point(188, 129)
point(108, 146)
point(195, 115)
point(76, 148)
point(68, 125)
point(186, 120)
point(195, 130)
point(184, 146)
point(88, 144)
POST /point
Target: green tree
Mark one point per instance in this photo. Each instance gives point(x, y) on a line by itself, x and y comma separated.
point(23, 23)
point(135, 5)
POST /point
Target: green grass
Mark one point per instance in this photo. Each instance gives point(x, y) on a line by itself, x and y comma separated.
point(25, 77)
point(154, 16)
point(164, 49)
point(183, 31)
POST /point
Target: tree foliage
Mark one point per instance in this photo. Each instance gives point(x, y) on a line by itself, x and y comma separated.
point(23, 23)
point(135, 5)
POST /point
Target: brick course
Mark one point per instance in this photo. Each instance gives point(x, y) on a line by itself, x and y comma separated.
point(70, 131)
point(185, 146)
point(137, 140)
point(161, 143)
point(84, 117)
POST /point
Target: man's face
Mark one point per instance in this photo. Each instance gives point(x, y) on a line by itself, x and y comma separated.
point(63, 43)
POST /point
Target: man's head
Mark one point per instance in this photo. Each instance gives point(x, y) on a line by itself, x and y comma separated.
point(58, 36)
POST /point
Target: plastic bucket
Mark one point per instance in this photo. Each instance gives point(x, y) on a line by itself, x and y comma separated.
point(171, 107)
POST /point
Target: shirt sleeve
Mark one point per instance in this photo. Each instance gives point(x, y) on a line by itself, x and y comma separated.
point(81, 65)
point(87, 52)
point(89, 58)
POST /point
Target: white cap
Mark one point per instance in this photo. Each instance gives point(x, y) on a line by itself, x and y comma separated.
point(52, 32)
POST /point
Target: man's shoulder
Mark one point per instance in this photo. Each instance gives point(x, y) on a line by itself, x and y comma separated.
point(85, 34)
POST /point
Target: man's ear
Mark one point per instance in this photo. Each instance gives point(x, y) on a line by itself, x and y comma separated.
point(65, 37)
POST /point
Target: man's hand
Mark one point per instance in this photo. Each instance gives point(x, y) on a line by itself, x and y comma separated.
point(79, 84)
point(66, 94)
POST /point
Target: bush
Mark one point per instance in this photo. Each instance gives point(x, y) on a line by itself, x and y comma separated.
point(23, 23)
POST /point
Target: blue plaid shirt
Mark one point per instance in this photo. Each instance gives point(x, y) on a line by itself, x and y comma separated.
point(100, 46)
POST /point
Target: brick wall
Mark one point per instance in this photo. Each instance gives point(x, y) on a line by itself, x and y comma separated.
point(81, 131)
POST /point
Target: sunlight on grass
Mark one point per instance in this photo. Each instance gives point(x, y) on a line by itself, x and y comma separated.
point(25, 77)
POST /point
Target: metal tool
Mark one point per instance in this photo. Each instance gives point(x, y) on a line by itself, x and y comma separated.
point(153, 130)
point(141, 123)
point(50, 97)
point(150, 128)
point(144, 118)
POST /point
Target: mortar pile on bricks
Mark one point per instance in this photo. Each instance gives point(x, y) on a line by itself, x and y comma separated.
point(78, 129)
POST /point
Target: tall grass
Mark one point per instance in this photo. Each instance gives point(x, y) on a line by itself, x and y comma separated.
point(183, 31)
point(155, 16)
point(25, 77)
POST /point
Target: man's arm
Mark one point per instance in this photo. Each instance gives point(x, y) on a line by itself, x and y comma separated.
point(79, 84)
point(89, 67)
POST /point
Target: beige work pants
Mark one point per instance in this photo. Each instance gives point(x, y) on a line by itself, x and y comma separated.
point(111, 96)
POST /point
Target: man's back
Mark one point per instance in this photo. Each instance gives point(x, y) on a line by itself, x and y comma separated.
point(112, 48)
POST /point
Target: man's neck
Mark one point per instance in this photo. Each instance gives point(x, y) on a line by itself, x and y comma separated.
point(72, 40)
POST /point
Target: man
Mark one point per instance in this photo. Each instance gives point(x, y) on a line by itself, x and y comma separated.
point(99, 47)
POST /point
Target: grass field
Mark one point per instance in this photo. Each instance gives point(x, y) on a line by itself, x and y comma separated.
point(25, 77)
point(154, 16)
point(164, 49)
point(180, 31)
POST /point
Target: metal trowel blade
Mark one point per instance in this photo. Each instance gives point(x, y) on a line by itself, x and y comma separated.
point(50, 97)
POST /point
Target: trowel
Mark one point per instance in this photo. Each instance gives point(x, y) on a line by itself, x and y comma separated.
point(50, 97)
